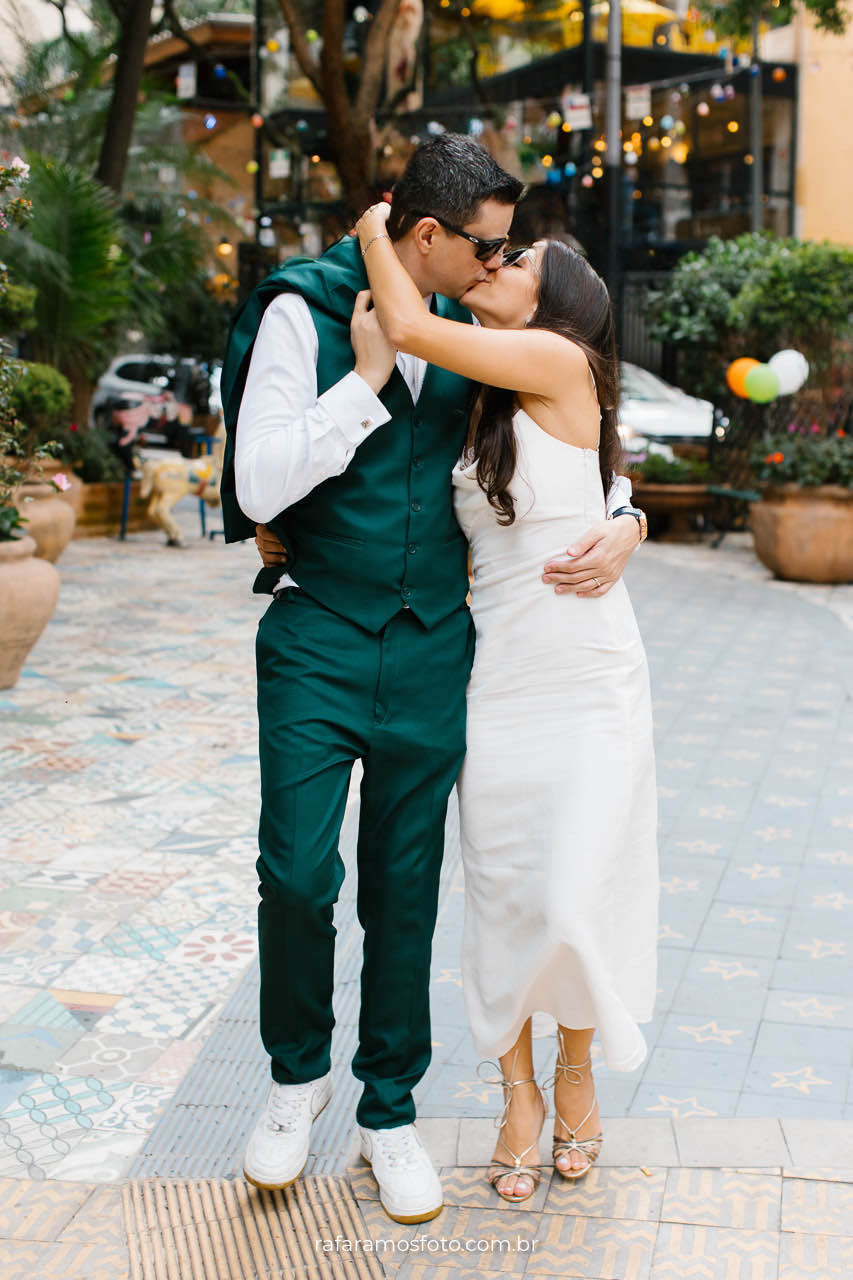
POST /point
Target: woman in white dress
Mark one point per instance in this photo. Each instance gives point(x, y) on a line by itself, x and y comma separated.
point(557, 793)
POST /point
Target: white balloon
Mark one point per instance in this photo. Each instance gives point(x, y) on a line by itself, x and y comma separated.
point(791, 368)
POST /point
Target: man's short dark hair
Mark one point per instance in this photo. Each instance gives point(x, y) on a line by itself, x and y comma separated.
point(449, 176)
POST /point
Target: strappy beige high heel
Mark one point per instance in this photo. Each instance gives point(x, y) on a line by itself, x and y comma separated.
point(500, 1169)
point(588, 1147)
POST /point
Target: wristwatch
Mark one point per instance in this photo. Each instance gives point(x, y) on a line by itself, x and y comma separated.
point(639, 516)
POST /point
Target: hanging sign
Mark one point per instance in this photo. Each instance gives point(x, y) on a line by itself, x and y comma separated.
point(279, 163)
point(576, 109)
point(638, 101)
point(186, 80)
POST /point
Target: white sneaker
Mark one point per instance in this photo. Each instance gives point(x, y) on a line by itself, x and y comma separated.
point(278, 1148)
point(409, 1187)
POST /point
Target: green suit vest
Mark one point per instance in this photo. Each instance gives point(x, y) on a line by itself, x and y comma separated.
point(382, 536)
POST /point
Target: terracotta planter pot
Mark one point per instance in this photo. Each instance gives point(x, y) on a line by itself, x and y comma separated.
point(50, 521)
point(73, 496)
point(805, 535)
point(100, 512)
point(677, 501)
point(29, 589)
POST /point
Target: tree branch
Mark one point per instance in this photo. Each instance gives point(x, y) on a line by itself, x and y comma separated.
point(59, 5)
point(299, 43)
point(374, 57)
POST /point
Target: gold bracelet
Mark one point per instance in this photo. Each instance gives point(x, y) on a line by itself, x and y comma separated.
point(382, 236)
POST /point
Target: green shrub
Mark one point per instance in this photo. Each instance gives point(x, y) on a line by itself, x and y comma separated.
point(88, 453)
point(42, 399)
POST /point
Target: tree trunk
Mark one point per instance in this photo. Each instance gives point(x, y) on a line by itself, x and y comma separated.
point(127, 75)
point(352, 146)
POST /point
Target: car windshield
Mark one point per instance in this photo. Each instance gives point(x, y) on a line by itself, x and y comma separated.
point(639, 384)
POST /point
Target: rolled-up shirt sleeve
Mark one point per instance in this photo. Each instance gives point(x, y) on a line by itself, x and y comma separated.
point(289, 440)
point(619, 493)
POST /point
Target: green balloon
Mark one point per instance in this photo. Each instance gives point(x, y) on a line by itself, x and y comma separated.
point(762, 384)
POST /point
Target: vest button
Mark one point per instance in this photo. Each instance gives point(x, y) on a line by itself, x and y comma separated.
point(417, 464)
point(416, 506)
point(406, 593)
point(412, 548)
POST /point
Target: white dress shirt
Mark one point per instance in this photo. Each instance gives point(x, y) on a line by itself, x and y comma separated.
point(289, 439)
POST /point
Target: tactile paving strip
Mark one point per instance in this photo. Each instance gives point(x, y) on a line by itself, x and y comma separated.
point(215, 1229)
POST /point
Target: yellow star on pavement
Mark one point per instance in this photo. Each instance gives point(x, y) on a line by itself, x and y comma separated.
point(728, 969)
point(773, 833)
point(836, 901)
point(759, 872)
point(818, 949)
point(677, 885)
point(786, 802)
point(728, 783)
point(804, 1078)
point(667, 931)
point(450, 975)
point(698, 846)
point(748, 915)
point(812, 1007)
point(843, 822)
point(479, 1090)
point(674, 1106)
point(838, 858)
point(711, 1032)
point(742, 754)
point(718, 811)
point(794, 771)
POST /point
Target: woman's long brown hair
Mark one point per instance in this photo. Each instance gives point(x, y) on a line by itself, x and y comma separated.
point(574, 302)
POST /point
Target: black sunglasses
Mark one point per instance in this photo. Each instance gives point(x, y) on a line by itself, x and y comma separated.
point(483, 249)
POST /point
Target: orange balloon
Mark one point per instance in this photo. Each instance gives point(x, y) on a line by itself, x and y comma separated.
point(736, 375)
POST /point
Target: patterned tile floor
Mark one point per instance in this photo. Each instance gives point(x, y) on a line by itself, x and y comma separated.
point(127, 885)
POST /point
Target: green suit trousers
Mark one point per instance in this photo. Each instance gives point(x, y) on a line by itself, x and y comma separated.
point(329, 693)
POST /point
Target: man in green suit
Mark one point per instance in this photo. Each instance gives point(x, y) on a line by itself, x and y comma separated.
point(345, 449)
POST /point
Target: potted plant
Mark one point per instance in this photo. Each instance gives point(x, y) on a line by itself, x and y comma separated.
point(803, 525)
point(29, 588)
point(41, 399)
point(670, 490)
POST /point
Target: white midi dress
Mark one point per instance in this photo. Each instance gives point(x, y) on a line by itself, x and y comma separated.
point(557, 794)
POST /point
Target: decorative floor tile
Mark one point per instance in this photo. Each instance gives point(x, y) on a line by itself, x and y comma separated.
point(713, 1253)
point(118, 975)
point(133, 883)
point(815, 1257)
point(104, 1155)
point(38, 1210)
point(14, 924)
point(64, 933)
point(594, 1247)
point(141, 937)
point(32, 967)
point(822, 1208)
point(172, 1065)
point(100, 1219)
point(213, 948)
point(468, 1188)
point(27, 1047)
point(721, 1198)
point(64, 1260)
point(112, 1057)
point(610, 1193)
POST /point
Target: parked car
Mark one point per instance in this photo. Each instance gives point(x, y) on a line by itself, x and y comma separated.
point(652, 410)
point(158, 394)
